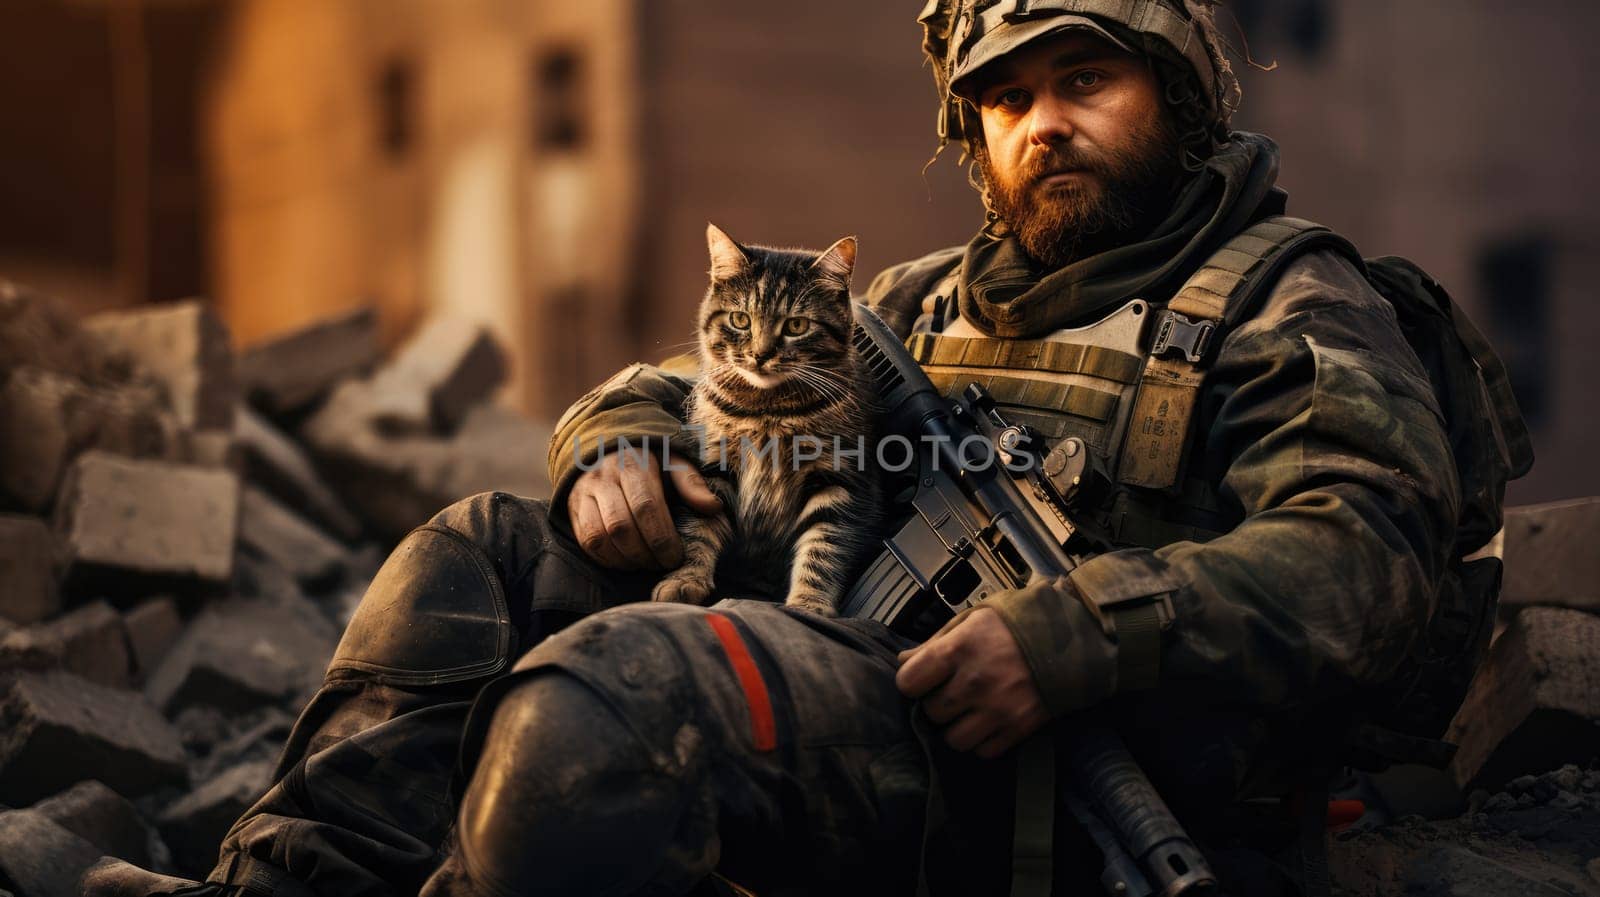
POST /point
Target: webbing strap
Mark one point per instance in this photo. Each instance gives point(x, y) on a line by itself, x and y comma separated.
point(1045, 395)
point(1033, 837)
point(1032, 355)
point(1138, 646)
point(1152, 453)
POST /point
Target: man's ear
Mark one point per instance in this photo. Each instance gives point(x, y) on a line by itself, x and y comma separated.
point(727, 257)
point(838, 262)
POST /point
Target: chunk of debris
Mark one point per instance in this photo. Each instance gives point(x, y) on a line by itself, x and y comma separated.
point(277, 464)
point(185, 346)
point(1550, 556)
point(40, 858)
point(272, 531)
point(168, 522)
point(102, 817)
point(1535, 703)
point(90, 641)
point(449, 366)
point(289, 372)
point(241, 653)
point(111, 734)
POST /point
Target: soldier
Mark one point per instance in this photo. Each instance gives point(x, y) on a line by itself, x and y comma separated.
point(1280, 527)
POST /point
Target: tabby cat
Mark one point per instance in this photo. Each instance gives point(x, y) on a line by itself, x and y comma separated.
point(780, 395)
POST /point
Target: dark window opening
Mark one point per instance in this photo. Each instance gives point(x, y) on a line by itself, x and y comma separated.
point(1516, 278)
point(560, 87)
point(1307, 25)
point(396, 108)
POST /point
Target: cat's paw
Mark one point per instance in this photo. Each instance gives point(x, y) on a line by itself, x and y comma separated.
point(816, 604)
point(676, 589)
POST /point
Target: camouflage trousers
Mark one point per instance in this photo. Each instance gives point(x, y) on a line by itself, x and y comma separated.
point(495, 723)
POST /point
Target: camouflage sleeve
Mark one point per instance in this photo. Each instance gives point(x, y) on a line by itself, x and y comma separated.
point(1322, 433)
point(642, 402)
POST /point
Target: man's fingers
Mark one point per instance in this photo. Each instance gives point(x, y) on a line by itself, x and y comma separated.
point(641, 487)
point(590, 530)
point(623, 530)
point(970, 731)
point(692, 488)
point(1002, 740)
point(924, 670)
point(945, 705)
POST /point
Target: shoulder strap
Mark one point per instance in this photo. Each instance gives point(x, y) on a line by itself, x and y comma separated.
point(1226, 290)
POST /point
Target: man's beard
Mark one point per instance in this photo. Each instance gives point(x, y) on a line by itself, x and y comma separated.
point(1058, 224)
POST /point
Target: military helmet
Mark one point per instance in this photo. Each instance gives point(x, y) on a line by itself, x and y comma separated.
point(962, 36)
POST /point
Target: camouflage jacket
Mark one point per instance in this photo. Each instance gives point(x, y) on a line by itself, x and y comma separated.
point(1320, 438)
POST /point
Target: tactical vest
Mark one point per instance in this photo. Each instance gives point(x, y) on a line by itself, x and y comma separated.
point(1128, 386)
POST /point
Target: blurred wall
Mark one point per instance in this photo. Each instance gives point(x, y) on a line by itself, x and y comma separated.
point(548, 167)
point(1458, 133)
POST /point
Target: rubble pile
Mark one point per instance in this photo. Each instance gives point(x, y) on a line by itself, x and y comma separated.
point(1518, 809)
point(183, 535)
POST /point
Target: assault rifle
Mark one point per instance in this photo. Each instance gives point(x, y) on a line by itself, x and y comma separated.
point(990, 514)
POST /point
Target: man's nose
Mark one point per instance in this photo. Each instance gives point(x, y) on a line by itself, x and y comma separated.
point(1051, 122)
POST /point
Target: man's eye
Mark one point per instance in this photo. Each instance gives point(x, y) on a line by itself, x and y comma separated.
point(1086, 79)
point(1012, 98)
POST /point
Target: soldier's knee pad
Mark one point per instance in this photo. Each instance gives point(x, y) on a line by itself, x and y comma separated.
point(436, 613)
point(565, 798)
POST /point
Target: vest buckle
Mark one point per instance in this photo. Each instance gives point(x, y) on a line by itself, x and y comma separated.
point(1189, 337)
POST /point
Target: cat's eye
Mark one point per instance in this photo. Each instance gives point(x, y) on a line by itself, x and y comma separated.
point(739, 320)
point(796, 326)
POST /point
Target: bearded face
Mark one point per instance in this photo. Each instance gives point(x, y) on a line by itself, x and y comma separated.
point(1117, 193)
point(1077, 150)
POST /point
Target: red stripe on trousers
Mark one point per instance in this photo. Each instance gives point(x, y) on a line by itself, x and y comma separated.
point(763, 728)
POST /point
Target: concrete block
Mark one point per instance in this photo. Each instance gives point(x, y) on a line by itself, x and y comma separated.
point(1550, 556)
point(1535, 703)
point(28, 559)
point(292, 371)
point(102, 817)
point(446, 368)
point(166, 522)
point(40, 858)
point(240, 654)
point(89, 642)
point(47, 419)
point(271, 531)
point(196, 823)
point(152, 627)
point(277, 464)
point(185, 346)
point(59, 725)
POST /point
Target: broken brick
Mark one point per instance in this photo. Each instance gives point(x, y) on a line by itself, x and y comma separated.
point(285, 374)
point(185, 346)
point(272, 531)
point(1534, 703)
point(48, 717)
point(167, 522)
point(443, 371)
point(102, 817)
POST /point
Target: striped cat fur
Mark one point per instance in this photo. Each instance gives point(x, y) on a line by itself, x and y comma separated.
point(780, 383)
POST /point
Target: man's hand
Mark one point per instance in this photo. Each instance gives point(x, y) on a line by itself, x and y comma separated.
point(973, 680)
point(620, 515)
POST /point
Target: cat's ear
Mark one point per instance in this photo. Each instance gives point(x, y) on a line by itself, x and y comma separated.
point(838, 262)
point(727, 257)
